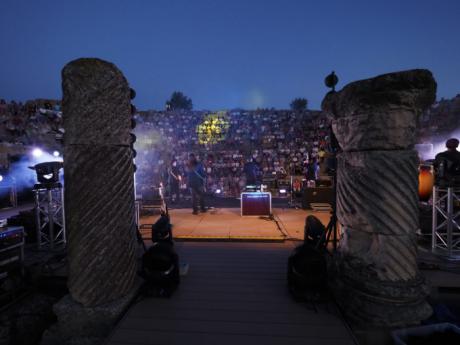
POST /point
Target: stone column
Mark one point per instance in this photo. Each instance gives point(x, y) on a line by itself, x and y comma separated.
point(377, 280)
point(99, 182)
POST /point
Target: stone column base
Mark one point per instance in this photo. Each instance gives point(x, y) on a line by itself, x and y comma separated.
point(85, 325)
point(367, 300)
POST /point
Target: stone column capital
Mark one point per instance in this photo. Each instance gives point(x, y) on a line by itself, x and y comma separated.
point(380, 113)
point(413, 89)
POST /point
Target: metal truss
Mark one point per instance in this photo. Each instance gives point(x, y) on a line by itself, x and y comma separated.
point(49, 215)
point(446, 222)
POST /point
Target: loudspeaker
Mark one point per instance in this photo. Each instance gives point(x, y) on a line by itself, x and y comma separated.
point(307, 274)
point(162, 230)
point(317, 195)
point(160, 269)
point(256, 204)
point(314, 232)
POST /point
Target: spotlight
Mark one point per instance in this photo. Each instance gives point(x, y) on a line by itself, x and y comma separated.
point(47, 172)
point(56, 154)
point(37, 152)
point(1, 178)
point(282, 191)
point(218, 191)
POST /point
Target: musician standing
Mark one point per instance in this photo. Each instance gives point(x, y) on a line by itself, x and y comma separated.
point(196, 182)
point(447, 164)
point(252, 172)
point(174, 179)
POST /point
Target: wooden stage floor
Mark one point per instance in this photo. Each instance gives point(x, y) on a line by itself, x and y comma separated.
point(234, 293)
point(228, 224)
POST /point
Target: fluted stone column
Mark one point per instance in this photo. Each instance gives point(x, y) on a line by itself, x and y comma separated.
point(377, 280)
point(99, 185)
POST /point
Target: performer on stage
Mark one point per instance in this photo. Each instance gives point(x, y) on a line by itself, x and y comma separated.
point(251, 170)
point(196, 182)
point(174, 179)
point(312, 172)
point(447, 163)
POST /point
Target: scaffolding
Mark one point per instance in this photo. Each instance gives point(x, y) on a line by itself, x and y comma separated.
point(445, 227)
point(49, 215)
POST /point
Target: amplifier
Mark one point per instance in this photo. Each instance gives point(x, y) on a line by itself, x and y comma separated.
point(11, 250)
point(11, 236)
point(256, 204)
point(8, 258)
point(323, 195)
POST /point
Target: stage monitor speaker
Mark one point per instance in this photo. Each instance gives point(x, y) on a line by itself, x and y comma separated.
point(317, 195)
point(256, 204)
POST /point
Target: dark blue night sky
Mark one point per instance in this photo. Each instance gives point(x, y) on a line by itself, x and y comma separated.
point(228, 53)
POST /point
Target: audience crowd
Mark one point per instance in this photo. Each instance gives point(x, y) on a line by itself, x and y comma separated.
point(37, 122)
point(281, 143)
point(440, 120)
point(437, 124)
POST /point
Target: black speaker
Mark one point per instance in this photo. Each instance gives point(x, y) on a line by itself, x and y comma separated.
point(162, 230)
point(307, 274)
point(160, 270)
point(317, 195)
point(314, 232)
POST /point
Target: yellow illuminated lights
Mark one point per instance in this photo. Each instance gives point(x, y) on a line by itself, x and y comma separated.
point(213, 128)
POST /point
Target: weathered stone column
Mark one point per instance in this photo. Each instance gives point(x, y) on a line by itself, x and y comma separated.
point(377, 280)
point(99, 183)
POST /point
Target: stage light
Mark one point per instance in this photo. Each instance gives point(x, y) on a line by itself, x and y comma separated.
point(47, 172)
point(56, 153)
point(282, 191)
point(1, 178)
point(37, 152)
point(218, 191)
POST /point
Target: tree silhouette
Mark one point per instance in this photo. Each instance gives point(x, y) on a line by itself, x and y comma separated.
point(299, 104)
point(179, 101)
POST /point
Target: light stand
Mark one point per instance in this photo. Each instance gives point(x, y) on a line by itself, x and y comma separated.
point(331, 228)
point(49, 213)
point(49, 205)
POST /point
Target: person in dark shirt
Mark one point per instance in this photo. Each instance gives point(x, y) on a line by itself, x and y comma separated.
point(312, 170)
point(174, 179)
point(251, 170)
point(196, 180)
point(447, 164)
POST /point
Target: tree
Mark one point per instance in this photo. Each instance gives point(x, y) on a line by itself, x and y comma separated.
point(179, 101)
point(299, 104)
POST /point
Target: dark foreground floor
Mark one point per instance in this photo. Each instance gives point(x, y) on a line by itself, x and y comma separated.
point(233, 294)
